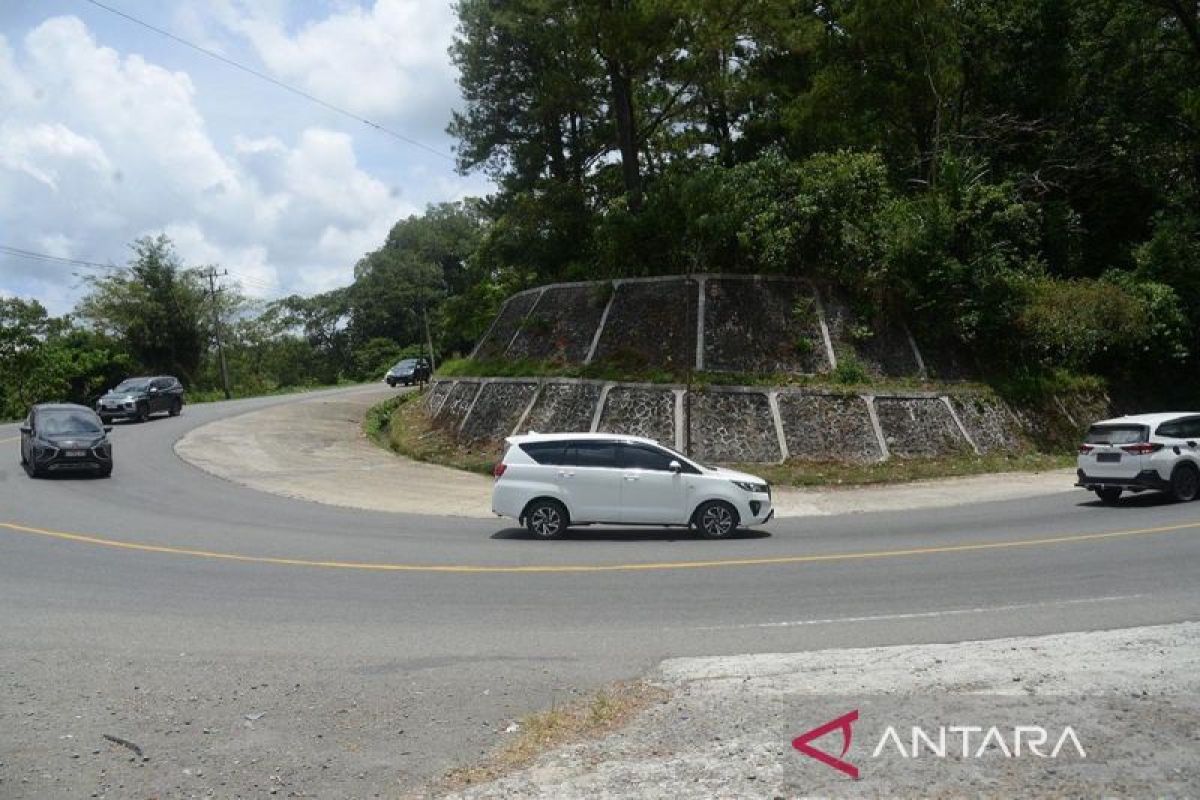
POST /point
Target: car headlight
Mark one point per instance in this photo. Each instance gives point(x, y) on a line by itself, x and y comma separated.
point(748, 486)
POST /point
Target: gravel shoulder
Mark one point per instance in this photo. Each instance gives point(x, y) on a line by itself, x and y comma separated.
point(314, 449)
point(1130, 697)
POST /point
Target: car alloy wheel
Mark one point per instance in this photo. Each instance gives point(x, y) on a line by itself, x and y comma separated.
point(1185, 483)
point(546, 520)
point(716, 520)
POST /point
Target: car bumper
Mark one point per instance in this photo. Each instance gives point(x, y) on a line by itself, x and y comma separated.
point(60, 463)
point(1146, 480)
point(115, 412)
point(758, 511)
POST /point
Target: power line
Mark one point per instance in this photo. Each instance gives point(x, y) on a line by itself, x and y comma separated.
point(17, 252)
point(263, 76)
point(29, 254)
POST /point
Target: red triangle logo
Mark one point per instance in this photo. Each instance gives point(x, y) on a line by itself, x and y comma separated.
point(842, 723)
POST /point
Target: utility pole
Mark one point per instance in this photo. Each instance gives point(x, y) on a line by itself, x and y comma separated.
point(212, 276)
point(428, 338)
point(691, 362)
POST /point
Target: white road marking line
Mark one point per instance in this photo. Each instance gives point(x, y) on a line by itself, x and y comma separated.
point(921, 614)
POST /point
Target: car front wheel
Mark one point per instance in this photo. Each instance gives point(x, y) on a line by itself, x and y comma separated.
point(715, 520)
point(176, 407)
point(1185, 483)
point(546, 519)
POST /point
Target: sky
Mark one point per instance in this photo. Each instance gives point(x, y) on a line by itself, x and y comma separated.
point(110, 132)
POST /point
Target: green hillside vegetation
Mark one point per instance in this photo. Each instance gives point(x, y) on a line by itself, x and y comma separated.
point(1021, 177)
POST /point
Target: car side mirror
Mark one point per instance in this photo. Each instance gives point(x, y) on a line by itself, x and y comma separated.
point(1191, 443)
point(108, 428)
point(675, 466)
point(26, 429)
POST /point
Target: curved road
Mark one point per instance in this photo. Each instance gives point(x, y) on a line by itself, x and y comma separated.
point(382, 649)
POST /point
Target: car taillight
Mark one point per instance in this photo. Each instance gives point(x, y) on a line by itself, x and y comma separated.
point(498, 470)
point(1084, 449)
point(1143, 449)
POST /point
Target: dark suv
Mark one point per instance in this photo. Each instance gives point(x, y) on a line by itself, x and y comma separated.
point(408, 372)
point(138, 398)
point(63, 437)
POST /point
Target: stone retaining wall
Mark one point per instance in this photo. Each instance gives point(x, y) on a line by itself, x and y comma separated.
point(756, 324)
point(737, 424)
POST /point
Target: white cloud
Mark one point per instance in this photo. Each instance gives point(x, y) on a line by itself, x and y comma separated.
point(38, 151)
point(388, 60)
point(110, 146)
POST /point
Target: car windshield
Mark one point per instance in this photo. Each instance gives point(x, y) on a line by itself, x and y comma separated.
point(408, 362)
point(1116, 434)
point(64, 423)
point(132, 385)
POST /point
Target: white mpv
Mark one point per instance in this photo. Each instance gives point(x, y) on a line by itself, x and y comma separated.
point(552, 481)
point(1159, 452)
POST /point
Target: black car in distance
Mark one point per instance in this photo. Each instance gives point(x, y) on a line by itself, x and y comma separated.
point(408, 372)
point(138, 398)
point(63, 437)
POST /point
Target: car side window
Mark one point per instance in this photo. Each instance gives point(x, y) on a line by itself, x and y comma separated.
point(592, 454)
point(638, 456)
point(1171, 430)
point(1190, 428)
point(553, 453)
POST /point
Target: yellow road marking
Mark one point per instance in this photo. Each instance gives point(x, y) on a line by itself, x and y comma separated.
point(733, 562)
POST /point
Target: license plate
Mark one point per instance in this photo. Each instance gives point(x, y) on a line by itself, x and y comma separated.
point(1108, 458)
point(75, 453)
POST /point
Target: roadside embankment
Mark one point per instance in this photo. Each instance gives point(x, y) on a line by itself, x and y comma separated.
point(315, 449)
point(1131, 699)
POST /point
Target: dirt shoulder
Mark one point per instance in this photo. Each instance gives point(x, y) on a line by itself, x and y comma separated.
point(334, 462)
point(725, 729)
point(315, 449)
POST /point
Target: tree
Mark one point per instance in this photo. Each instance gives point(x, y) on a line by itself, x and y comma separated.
point(45, 359)
point(155, 307)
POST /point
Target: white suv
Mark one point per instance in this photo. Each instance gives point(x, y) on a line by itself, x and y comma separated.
point(1148, 451)
point(551, 481)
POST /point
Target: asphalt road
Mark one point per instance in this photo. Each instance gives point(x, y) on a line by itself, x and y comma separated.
point(382, 649)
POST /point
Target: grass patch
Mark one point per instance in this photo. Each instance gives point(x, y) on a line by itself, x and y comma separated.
point(901, 470)
point(590, 718)
point(242, 393)
point(853, 378)
point(401, 425)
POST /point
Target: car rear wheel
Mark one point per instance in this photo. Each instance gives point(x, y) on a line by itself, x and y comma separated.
point(1109, 495)
point(1185, 483)
point(715, 520)
point(546, 519)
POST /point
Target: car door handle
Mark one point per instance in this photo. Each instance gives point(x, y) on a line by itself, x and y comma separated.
point(631, 477)
point(565, 474)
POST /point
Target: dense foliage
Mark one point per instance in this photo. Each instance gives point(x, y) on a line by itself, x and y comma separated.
point(1020, 178)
